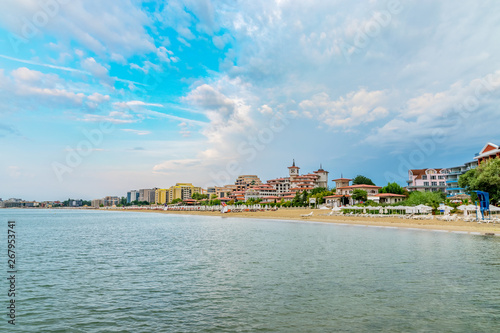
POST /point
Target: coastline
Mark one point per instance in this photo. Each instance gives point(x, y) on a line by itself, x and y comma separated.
point(488, 229)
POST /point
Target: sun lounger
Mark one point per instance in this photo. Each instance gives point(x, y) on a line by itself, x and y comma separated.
point(307, 215)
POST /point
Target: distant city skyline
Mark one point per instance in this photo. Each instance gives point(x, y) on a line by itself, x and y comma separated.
point(97, 98)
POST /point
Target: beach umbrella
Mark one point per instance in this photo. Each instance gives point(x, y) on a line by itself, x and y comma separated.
point(466, 207)
point(423, 208)
point(494, 209)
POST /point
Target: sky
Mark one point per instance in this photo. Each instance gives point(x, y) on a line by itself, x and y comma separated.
point(101, 97)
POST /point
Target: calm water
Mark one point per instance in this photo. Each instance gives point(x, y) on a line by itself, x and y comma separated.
point(138, 272)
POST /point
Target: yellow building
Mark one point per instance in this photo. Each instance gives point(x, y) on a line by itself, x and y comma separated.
point(182, 191)
point(161, 196)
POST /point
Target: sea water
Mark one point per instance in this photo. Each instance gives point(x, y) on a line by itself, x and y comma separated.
point(99, 271)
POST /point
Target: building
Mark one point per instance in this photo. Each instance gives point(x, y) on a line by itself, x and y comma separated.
point(110, 201)
point(260, 192)
point(132, 195)
point(490, 151)
point(343, 195)
point(224, 191)
point(452, 188)
point(147, 194)
point(389, 198)
point(182, 191)
point(97, 203)
point(11, 203)
point(322, 181)
point(75, 203)
point(281, 185)
point(295, 182)
point(161, 196)
point(211, 190)
point(245, 181)
point(427, 180)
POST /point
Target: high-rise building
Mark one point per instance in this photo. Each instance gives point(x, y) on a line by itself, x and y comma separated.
point(182, 191)
point(147, 195)
point(132, 195)
point(161, 196)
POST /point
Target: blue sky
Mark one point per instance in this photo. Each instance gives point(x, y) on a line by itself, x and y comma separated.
point(97, 98)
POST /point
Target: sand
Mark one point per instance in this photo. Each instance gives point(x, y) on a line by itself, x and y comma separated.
point(319, 215)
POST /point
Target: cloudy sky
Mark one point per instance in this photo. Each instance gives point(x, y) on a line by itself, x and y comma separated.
point(97, 98)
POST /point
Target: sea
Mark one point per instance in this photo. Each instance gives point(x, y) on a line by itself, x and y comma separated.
point(108, 271)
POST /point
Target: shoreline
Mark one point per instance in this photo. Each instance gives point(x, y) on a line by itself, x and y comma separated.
point(319, 216)
point(474, 228)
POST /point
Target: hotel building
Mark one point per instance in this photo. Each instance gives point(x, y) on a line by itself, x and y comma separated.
point(243, 182)
point(182, 191)
point(288, 186)
point(161, 196)
point(490, 151)
point(427, 180)
point(132, 195)
point(452, 188)
point(147, 195)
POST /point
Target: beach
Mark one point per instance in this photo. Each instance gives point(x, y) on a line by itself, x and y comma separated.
point(320, 215)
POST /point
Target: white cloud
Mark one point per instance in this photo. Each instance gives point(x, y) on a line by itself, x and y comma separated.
point(113, 117)
point(266, 109)
point(101, 27)
point(165, 55)
point(129, 104)
point(30, 89)
point(96, 69)
point(208, 98)
point(357, 107)
point(174, 166)
point(98, 98)
point(449, 112)
point(138, 132)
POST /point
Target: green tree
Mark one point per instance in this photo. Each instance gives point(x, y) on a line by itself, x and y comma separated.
point(359, 179)
point(199, 196)
point(304, 198)
point(432, 199)
point(318, 190)
point(176, 201)
point(392, 188)
point(359, 195)
point(213, 196)
point(123, 201)
point(296, 201)
point(486, 177)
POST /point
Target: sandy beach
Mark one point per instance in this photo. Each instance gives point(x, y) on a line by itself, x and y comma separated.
point(320, 216)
